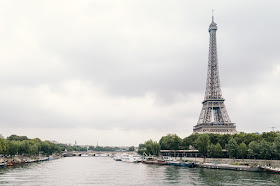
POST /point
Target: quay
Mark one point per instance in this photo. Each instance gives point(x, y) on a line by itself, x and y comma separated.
point(230, 167)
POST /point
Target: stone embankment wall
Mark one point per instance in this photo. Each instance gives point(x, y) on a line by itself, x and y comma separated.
point(273, 163)
point(17, 158)
point(22, 158)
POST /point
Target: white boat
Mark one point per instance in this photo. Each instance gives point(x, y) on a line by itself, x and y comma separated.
point(135, 158)
point(43, 159)
point(103, 155)
point(30, 160)
point(125, 157)
point(272, 169)
point(117, 158)
point(84, 155)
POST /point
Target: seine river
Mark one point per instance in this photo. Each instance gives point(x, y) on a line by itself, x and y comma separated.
point(106, 171)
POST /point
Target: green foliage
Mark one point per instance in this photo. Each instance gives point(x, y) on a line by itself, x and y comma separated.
point(232, 148)
point(269, 136)
point(239, 138)
point(276, 147)
point(202, 143)
point(4, 147)
point(252, 137)
point(141, 146)
point(17, 138)
point(223, 140)
point(211, 151)
point(254, 149)
point(152, 147)
point(265, 150)
point(131, 148)
point(215, 151)
point(214, 138)
point(170, 142)
point(189, 141)
point(241, 145)
point(13, 147)
point(149, 147)
point(218, 151)
point(242, 150)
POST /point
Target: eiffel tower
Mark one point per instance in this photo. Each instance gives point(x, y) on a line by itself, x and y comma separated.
point(213, 117)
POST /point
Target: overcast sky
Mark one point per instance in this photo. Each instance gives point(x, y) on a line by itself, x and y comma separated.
point(122, 72)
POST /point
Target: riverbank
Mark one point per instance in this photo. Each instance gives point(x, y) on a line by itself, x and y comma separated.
point(273, 163)
point(16, 160)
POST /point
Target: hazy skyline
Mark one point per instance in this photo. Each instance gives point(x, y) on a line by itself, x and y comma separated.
point(122, 72)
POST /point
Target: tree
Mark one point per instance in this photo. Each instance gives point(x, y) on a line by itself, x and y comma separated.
point(242, 150)
point(269, 136)
point(13, 147)
point(265, 150)
point(276, 147)
point(215, 151)
point(4, 147)
point(190, 141)
point(252, 137)
point(131, 148)
point(211, 150)
point(223, 139)
point(239, 138)
point(170, 142)
point(202, 142)
point(34, 149)
point(17, 138)
point(25, 147)
point(232, 147)
point(218, 151)
point(46, 147)
point(152, 147)
point(253, 149)
point(214, 138)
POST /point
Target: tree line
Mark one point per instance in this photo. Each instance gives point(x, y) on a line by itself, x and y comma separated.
point(241, 145)
point(22, 145)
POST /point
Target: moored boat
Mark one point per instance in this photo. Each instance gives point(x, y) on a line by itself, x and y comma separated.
point(117, 158)
point(29, 161)
point(178, 163)
point(272, 169)
point(43, 159)
point(230, 167)
point(151, 160)
point(14, 162)
point(134, 158)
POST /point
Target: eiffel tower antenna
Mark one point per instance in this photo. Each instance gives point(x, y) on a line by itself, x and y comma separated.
point(213, 116)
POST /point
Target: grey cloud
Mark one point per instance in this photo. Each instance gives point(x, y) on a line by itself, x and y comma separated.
point(130, 49)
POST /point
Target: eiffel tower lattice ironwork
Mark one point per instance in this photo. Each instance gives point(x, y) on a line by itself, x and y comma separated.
point(213, 117)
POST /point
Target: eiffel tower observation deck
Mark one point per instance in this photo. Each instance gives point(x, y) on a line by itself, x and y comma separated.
point(214, 117)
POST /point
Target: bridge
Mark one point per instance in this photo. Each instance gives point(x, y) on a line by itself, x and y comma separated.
point(94, 153)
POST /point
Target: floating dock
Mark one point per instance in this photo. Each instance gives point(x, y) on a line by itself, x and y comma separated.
point(230, 167)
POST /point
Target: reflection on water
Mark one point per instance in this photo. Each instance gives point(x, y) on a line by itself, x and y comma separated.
point(172, 173)
point(106, 171)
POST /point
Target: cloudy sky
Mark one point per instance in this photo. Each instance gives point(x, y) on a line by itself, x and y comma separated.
point(122, 72)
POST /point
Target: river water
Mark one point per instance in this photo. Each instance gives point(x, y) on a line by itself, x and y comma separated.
point(106, 171)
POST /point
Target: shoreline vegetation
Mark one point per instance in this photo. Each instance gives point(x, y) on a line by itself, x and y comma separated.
point(264, 146)
point(16, 150)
